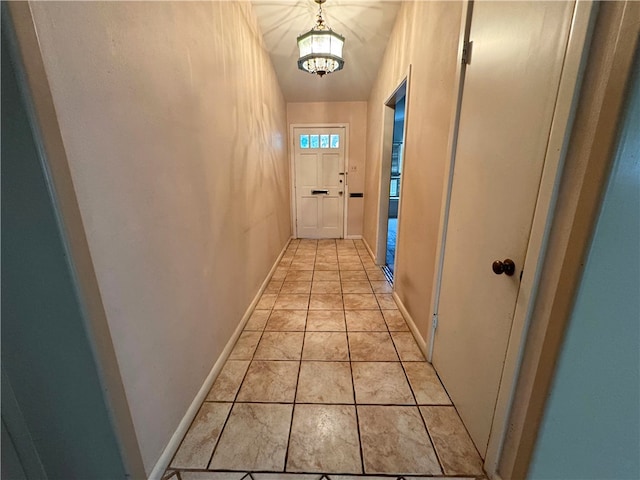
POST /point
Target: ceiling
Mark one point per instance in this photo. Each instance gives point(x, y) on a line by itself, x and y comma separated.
point(366, 26)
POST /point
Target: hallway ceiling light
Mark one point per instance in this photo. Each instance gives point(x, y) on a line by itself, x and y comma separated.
point(320, 48)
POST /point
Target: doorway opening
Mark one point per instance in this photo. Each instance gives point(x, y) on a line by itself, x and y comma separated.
point(393, 139)
point(394, 185)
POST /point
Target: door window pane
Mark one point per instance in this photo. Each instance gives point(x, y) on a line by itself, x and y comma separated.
point(324, 141)
point(335, 141)
point(394, 187)
point(304, 141)
point(315, 141)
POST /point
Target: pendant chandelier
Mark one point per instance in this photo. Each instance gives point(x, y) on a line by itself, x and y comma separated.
point(320, 48)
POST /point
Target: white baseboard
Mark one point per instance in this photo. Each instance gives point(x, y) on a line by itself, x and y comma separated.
point(405, 313)
point(366, 244)
point(412, 325)
point(183, 426)
point(353, 237)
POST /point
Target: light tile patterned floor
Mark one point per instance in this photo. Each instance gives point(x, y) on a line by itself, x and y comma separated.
point(326, 382)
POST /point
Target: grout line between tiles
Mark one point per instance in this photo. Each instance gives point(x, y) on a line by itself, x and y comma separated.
point(353, 384)
point(355, 405)
point(457, 413)
point(439, 405)
point(433, 445)
point(308, 252)
point(295, 394)
point(232, 403)
point(235, 398)
point(183, 438)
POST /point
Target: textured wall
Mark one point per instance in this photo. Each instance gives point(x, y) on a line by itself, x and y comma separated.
point(355, 114)
point(172, 119)
point(426, 37)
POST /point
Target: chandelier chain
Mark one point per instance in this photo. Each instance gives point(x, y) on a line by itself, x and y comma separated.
point(320, 22)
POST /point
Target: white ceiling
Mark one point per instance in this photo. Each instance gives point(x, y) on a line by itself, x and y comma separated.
point(366, 26)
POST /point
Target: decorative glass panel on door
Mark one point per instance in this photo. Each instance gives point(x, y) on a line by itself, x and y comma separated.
point(394, 186)
point(315, 141)
point(335, 141)
point(304, 141)
point(324, 141)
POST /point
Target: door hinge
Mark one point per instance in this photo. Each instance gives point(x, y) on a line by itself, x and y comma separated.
point(466, 53)
point(435, 321)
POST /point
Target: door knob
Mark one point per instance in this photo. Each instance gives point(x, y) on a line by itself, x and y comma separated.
point(507, 267)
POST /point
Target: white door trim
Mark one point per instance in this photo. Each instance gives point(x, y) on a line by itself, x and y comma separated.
point(384, 177)
point(385, 169)
point(292, 171)
point(566, 102)
point(465, 28)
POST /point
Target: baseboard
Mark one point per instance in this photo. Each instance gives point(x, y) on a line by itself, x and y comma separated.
point(183, 426)
point(405, 313)
point(353, 237)
point(412, 325)
point(366, 244)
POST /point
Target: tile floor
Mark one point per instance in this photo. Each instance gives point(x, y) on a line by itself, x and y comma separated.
point(326, 382)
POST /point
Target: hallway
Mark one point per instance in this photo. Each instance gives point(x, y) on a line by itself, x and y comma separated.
point(147, 183)
point(326, 378)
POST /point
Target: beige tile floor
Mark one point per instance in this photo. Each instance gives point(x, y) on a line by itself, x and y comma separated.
point(326, 382)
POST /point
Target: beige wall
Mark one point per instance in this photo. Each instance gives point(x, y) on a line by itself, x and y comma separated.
point(426, 37)
point(355, 114)
point(172, 119)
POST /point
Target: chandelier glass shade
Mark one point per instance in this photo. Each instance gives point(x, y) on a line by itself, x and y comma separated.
point(320, 48)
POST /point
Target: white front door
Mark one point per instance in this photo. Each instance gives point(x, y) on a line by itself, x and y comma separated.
point(507, 109)
point(319, 182)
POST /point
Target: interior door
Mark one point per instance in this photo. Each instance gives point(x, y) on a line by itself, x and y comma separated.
point(320, 182)
point(507, 107)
